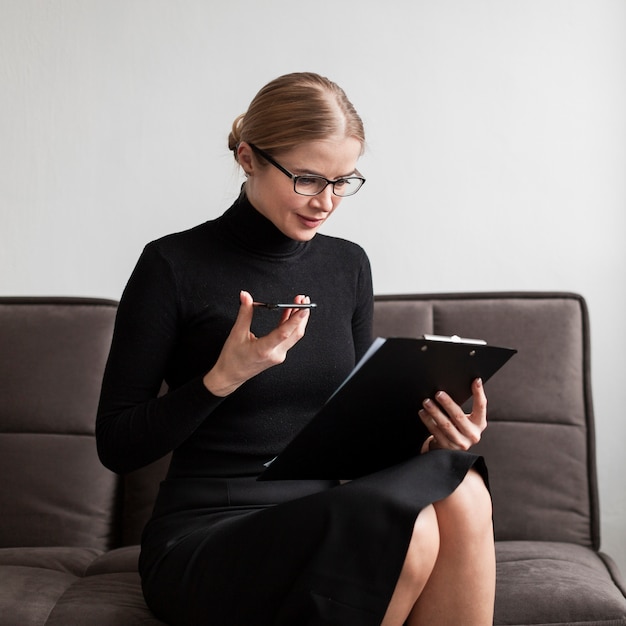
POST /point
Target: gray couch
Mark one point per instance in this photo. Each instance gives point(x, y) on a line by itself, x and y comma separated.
point(69, 528)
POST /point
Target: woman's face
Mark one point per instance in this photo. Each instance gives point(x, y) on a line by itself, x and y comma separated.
point(271, 192)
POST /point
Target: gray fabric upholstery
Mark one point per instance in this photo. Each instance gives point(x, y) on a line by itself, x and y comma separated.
point(541, 397)
point(52, 355)
point(69, 528)
point(541, 582)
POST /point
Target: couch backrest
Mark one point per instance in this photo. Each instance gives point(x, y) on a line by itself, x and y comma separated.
point(539, 445)
point(54, 491)
point(540, 442)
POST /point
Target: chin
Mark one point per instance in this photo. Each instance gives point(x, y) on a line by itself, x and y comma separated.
point(303, 236)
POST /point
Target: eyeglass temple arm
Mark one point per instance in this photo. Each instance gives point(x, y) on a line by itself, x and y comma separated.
point(268, 158)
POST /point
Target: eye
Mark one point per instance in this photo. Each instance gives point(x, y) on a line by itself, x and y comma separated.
point(342, 182)
point(308, 181)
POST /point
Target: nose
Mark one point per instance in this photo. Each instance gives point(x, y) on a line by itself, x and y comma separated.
point(324, 200)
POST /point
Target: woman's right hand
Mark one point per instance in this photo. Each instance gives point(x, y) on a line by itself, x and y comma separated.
point(244, 355)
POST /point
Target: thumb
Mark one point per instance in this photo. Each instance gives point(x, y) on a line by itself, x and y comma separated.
point(246, 310)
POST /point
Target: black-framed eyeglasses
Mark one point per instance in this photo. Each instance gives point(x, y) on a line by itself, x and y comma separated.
point(312, 184)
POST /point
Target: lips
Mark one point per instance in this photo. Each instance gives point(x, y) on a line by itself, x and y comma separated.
point(310, 222)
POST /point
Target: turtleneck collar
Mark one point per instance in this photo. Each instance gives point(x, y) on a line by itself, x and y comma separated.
point(256, 233)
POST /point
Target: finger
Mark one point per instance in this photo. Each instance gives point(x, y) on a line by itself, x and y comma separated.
point(479, 402)
point(292, 330)
point(301, 315)
point(287, 313)
point(244, 316)
point(246, 299)
point(448, 407)
point(300, 299)
point(287, 333)
point(432, 417)
point(445, 426)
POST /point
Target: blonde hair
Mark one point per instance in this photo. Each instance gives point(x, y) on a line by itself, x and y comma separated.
point(295, 108)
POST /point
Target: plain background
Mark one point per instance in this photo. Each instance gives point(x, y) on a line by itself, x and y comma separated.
point(496, 154)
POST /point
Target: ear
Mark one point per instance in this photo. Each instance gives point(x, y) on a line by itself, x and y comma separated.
point(245, 157)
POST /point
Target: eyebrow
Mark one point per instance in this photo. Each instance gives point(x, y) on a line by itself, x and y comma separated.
point(292, 171)
point(306, 172)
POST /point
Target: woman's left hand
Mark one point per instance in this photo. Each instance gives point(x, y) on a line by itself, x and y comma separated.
point(450, 427)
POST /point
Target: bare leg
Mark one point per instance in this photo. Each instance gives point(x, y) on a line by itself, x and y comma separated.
point(417, 568)
point(461, 588)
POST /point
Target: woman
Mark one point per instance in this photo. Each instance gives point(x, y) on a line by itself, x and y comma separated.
point(410, 544)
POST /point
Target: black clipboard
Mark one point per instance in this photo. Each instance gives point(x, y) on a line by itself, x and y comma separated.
point(371, 421)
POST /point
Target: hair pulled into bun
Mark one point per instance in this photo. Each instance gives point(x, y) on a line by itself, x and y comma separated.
point(234, 137)
point(295, 108)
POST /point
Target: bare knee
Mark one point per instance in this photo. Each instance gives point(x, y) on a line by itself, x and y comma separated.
point(426, 532)
point(419, 563)
point(468, 507)
point(423, 547)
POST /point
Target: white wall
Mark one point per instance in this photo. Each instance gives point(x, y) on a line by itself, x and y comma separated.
point(496, 160)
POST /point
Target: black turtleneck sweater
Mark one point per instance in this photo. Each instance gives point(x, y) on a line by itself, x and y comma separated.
point(174, 316)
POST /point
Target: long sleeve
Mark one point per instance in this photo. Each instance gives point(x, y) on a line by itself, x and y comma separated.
point(362, 320)
point(135, 427)
point(176, 313)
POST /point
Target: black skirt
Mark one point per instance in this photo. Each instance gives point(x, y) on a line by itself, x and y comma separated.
point(244, 553)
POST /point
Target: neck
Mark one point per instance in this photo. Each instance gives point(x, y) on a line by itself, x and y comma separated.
point(256, 233)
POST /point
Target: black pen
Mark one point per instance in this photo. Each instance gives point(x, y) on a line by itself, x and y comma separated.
point(283, 305)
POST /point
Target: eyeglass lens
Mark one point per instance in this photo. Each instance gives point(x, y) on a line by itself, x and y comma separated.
point(312, 185)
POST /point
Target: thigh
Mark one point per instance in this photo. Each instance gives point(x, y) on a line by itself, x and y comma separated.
point(330, 557)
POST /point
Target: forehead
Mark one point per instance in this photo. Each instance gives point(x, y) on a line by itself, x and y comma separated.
point(328, 157)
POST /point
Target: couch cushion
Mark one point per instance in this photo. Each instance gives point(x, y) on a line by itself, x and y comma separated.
point(28, 594)
point(539, 444)
point(73, 561)
point(71, 586)
point(33, 579)
point(540, 490)
point(115, 561)
point(103, 600)
point(55, 492)
point(555, 583)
